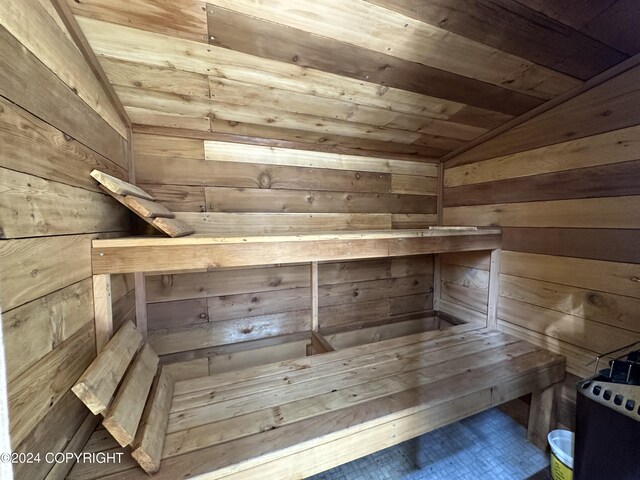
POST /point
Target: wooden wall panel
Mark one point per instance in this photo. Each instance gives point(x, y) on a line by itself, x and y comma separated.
point(250, 189)
point(563, 186)
point(57, 123)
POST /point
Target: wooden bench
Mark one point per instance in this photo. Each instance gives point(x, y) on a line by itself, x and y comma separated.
point(300, 417)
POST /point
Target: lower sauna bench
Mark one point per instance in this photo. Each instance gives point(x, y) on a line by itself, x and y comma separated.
point(299, 417)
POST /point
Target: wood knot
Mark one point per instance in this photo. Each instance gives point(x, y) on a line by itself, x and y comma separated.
point(358, 175)
point(264, 180)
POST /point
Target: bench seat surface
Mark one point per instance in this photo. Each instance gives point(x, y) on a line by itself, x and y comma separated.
point(300, 417)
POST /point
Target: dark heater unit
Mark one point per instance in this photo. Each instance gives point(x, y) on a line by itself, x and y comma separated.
point(608, 422)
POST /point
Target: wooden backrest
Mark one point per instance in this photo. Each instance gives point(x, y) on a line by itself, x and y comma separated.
point(143, 205)
point(125, 385)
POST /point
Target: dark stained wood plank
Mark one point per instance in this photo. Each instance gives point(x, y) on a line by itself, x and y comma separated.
point(521, 31)
point(277, 137)
point(617, 179)
point(437, 141)
point(574, 13)
point(618, 26)
point(250, 175)
point(608, 106)
point(598, 244)
point(277, 42)
point(220, 199)
point(27, 82)
point(480, 117)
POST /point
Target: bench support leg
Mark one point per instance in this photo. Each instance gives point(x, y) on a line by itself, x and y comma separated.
point(141, 303)
point(543, 415)
point(102, 310)
point(494, 289)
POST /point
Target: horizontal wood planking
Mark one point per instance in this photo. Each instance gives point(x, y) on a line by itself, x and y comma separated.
point(237, 132)
point(48, 41)
point(32, 395)
point(602, 149)
point(50, 144)
point(243, 33)
point(257, 357)
point(174, 313)
point(614, 245)
point(109, 39)
point(237, 93)
point(224, 282)
point(228, 331)
point(346, 290)
point(34, 267)
point(623, 14)
point(230, 224)
point(574, 13)
point(168, 146)
point(266, 116)
point(36, 328)
point(593, 336)
point(249, 175)
point(375, 334)
point(609, 106)
point(224, 199)
point(233, 152)
point(524, 32)
point(336, 21)
point(612, 277)
point(188, 369)
point(616, 310)
point(34, 147)
point(153, 77)
point(413, 220)
point(229, 307)
point(236, 349)
point(187, 21)
point(178, 198)
point(607, 212)
point(579, 360)
point(617, 179)
point(77, 119)
point(33, 206)
point(414, 185)
point(52, 434)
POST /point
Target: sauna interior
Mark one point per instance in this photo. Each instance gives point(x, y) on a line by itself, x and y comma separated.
point(403, 213)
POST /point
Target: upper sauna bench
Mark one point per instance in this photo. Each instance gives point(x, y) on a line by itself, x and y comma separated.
point(196, 252)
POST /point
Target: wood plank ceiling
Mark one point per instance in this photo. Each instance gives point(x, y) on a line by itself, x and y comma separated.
point(404, 77)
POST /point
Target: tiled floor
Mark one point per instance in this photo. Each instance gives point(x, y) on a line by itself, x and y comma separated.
point(488, 446)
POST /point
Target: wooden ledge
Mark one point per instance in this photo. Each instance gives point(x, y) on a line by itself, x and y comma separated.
point(154, 254)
